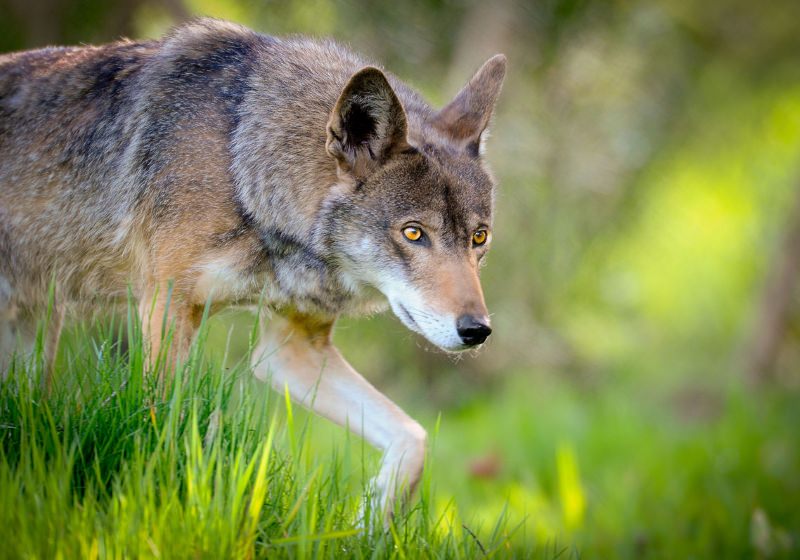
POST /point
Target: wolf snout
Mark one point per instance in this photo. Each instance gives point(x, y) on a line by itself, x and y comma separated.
point(472, 329)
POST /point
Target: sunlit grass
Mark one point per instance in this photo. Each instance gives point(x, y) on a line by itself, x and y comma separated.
point(214, 465)
point(630, 468)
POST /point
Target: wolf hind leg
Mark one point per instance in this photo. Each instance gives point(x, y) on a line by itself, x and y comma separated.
point(18, 332)
point(7, 331)
point(18, 339)
point(7, 344)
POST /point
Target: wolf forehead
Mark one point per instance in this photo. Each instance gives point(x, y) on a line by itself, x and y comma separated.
point(428, 181)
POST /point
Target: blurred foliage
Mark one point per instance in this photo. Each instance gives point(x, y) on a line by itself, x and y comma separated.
point(648, 155)
point(646, 152)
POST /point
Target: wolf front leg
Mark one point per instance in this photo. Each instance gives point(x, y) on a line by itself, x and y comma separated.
point(296, 352)
point(167, 320)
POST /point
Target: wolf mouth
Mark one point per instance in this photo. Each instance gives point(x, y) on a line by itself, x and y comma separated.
point(408, 318)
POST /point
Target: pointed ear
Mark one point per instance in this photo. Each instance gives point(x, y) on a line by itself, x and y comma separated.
point(367, 125)
point(468, 115)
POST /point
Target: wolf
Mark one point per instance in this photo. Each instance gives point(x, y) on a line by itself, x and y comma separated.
point(222, 165)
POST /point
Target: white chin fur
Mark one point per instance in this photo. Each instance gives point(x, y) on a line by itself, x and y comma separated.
point(413, 311)
point(438, 329)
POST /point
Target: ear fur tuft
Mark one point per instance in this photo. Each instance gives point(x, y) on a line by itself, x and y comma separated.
point(367, 125)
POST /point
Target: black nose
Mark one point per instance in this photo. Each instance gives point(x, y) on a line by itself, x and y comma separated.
point(473, 330)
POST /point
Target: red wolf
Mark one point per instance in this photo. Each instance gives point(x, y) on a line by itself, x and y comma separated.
point(237, 167)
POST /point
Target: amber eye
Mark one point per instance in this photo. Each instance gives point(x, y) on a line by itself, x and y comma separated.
point(480, 237)
point(412, 233)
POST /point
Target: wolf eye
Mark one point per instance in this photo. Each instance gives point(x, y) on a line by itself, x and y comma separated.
point(480, 237)
point(412, 233)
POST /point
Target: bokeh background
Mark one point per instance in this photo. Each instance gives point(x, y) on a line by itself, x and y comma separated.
point(640, 391)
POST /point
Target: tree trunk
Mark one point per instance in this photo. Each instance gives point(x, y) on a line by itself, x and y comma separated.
point(774, 311)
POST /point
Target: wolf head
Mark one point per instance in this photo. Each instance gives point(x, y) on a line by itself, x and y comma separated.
point(415, 216)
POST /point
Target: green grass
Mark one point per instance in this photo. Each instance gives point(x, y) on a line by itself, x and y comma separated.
point(627, 470)
point(211, 466)
point(215, 466)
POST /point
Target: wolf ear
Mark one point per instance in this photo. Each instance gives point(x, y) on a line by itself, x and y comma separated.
point(466, 117)
point(367, 125)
